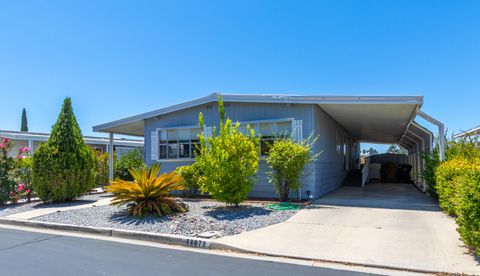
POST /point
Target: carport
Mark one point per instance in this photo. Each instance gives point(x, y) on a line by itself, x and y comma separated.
point(388, 120)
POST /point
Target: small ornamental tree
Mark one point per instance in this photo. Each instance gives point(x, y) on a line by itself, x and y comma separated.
point(63, 167)
point(287, 161)
point(228, 160)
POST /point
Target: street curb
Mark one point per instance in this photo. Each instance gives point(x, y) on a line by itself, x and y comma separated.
point(57, 226)
point(186, 241)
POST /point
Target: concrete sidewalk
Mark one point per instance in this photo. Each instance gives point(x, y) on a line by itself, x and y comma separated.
point(48, 210)
point(419, 237)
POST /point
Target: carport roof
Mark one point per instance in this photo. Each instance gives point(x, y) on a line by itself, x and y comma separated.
point(379, 119)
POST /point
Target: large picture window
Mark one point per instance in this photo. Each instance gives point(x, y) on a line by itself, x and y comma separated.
point(269, 131)
point(178, 143)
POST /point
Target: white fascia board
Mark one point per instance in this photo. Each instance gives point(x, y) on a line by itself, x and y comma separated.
point(292, 99)
point(467, 132)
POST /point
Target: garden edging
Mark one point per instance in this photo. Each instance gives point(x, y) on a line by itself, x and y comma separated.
point(181, 241)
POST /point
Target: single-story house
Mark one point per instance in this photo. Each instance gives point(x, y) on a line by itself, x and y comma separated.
point(343, 122)
point(32, 140)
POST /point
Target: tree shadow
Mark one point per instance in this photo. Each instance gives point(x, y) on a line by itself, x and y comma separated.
point(122, 218)
point(41, 205)
point(231, 213)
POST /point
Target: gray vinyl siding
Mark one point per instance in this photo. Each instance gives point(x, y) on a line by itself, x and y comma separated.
point(329, 168)
point(237, 112)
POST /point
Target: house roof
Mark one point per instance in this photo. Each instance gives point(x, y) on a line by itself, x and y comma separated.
point(472, 131)
point(41, 136)
point(381, 119)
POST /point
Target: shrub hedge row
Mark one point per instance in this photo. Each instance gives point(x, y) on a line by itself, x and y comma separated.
point(458, 189)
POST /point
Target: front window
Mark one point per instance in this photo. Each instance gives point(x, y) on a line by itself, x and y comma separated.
point(269, 132)
point(178, 143)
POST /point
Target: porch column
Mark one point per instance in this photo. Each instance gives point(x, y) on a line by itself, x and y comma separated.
point(110, 156)
point(30, 145)
point(441, 132)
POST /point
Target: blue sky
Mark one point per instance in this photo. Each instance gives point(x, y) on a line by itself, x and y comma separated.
point(119, 58)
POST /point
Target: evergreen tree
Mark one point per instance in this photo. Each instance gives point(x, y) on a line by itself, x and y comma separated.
point(24, 126)
point(63, 168)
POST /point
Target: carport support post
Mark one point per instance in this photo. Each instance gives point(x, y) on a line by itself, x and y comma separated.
point(441, 132)
point(110, 157)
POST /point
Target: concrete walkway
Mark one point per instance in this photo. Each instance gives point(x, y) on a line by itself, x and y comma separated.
point(391, 225)
point(48, 210)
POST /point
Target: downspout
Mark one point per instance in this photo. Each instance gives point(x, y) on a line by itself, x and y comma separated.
point(110, 157)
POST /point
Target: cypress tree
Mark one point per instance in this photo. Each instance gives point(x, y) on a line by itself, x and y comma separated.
point(24, 126)
point(63, 168)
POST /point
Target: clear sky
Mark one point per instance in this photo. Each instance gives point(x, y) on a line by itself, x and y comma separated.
point(119, 58)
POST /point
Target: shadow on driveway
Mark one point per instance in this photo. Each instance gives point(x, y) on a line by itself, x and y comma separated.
point(381, 195)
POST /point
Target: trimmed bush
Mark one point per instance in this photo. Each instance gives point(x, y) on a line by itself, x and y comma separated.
point(130, 160)
point(468, 209)
point(63, 167)
point(228, 160)
point(286, 161)
point(190, 178)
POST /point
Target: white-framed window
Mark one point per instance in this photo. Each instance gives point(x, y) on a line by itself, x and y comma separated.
point(178, 143)
point(269, 130)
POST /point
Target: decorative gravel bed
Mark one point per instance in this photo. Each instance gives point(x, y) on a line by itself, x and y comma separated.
point(25, 207)
point(203, 216)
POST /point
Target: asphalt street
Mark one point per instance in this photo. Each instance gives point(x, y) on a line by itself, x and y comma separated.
point(31, 253)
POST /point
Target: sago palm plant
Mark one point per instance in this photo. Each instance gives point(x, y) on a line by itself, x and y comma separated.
point(148, 193)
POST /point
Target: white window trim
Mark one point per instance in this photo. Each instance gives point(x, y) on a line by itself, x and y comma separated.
point(186, 159)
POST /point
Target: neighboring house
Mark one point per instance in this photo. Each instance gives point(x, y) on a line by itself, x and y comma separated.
point(342, 122)
point(473, 132)
point(32, 140)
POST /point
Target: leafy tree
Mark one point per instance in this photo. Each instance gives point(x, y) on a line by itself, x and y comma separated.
point(63, 167)
point(24, 126)
point(396, 150)
point(228, 160)
point(372, 151)
point(287, 161)
point(131, 160)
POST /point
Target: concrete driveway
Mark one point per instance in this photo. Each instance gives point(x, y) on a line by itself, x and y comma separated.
point(390, 225)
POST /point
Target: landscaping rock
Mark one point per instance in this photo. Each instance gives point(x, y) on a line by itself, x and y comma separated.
point(203, 216)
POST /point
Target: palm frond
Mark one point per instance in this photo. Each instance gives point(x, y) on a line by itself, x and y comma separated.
point(148, 193)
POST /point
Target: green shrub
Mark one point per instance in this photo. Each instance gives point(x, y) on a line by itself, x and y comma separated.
point(130, 160)
point(228, 161)
point(468, 209)
point(7, 166)
point(102, 166)
point(448, 177)
point(63, 167)
point(190, 178)
point(287, 161)
point(428, 174)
